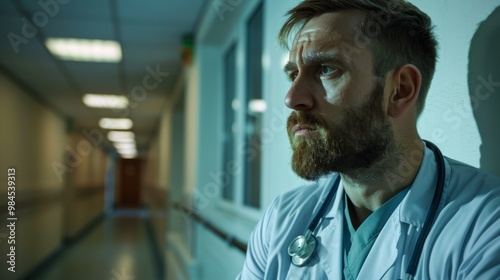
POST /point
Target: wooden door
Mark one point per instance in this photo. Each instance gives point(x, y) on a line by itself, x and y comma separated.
point(128, 193)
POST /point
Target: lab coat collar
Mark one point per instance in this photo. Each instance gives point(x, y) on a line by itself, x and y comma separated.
point(414, 207)
point(330, 236)
point(413, 211)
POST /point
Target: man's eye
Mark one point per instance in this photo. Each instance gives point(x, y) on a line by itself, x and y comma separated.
point(327, 70)
point(293, 76)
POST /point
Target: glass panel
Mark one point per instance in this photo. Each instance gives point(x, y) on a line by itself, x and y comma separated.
point(226, 175)
point(255, 107)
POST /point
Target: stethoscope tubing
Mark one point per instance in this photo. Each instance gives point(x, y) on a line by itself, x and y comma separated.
point(314, 223)
point(431, 215)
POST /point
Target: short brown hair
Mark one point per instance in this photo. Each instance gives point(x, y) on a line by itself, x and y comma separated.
point(398, 33)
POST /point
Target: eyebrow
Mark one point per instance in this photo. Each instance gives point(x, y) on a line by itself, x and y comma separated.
point(315, 59)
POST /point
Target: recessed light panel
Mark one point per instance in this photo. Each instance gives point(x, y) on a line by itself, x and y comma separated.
point(125, 145)
point(121, 136)
point(85, 49)
point(109, 123)
point(128, 156)
point(105, 101)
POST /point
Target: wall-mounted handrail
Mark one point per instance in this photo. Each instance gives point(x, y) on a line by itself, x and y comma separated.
point(229, 238)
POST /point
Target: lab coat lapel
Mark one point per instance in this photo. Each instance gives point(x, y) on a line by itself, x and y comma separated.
point(386, 259)
point(384, 253)
point(330, 249)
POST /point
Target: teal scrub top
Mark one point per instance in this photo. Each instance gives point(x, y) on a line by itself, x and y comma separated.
point(358, 243)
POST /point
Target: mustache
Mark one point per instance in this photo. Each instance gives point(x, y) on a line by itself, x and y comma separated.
point(304, 118)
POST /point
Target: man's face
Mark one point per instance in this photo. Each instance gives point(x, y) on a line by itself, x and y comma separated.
point(339, 122)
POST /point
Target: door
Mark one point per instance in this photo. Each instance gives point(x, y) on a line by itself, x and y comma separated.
point(128, 193)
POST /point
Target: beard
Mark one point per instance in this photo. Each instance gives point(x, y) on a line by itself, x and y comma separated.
point(363, 138)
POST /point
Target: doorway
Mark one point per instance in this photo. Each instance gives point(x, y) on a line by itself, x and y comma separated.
point(128, 187)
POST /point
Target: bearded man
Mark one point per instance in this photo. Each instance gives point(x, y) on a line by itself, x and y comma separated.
point(384, 204)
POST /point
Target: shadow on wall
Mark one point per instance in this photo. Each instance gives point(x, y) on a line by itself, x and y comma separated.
point(484, 89)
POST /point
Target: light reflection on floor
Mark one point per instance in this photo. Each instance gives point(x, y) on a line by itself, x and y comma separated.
point(117, 249)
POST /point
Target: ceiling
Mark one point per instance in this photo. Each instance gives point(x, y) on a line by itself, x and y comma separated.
point(150, 33)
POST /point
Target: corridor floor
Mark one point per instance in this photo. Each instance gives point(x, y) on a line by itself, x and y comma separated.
point(118, 248)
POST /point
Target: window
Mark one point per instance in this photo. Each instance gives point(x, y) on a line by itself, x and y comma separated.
point(229, 121)
point(254, 107)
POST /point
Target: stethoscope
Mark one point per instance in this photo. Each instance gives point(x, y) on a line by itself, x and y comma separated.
point(303, 247)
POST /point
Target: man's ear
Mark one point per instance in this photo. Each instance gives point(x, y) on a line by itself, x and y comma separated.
point(406, 87)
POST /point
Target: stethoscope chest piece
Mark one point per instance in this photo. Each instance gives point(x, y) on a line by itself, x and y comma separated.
point(302, 248)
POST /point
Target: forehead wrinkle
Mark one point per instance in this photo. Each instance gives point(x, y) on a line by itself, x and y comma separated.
point(294, 53)
point(306, 35)
point(318, 45)
point(334, 27)
point(317, 58)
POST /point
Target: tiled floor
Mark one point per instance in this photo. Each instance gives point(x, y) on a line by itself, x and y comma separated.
point(117, 249)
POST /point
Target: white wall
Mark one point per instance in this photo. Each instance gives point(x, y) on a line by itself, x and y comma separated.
point(183, 179)
point(448, 118)
point(26, 127)
point(191, 133)
point(32, 138)
point(52, 198)
point(85, 182)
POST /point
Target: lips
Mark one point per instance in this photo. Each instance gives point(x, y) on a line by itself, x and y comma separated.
point(302, 129)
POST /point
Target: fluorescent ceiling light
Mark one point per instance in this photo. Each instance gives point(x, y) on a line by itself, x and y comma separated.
point(124, 140)
point(85, 49)
point(121, 136)
point(257, 105)
point(128, 152)
point(120, 146)
point(128, 156)
point(108, 123)
point(105, 101)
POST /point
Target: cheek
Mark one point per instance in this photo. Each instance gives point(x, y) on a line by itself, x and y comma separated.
point(341, 91)
point(334, 94)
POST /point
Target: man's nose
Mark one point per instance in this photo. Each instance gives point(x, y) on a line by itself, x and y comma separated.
point(300, 97)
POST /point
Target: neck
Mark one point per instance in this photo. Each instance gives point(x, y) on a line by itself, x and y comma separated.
point(370, 188)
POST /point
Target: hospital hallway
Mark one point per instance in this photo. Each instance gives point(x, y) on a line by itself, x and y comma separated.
point(118, 247)
point(146, 140)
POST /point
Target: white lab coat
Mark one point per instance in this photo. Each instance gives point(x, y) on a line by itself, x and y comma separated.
point(464, 242)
